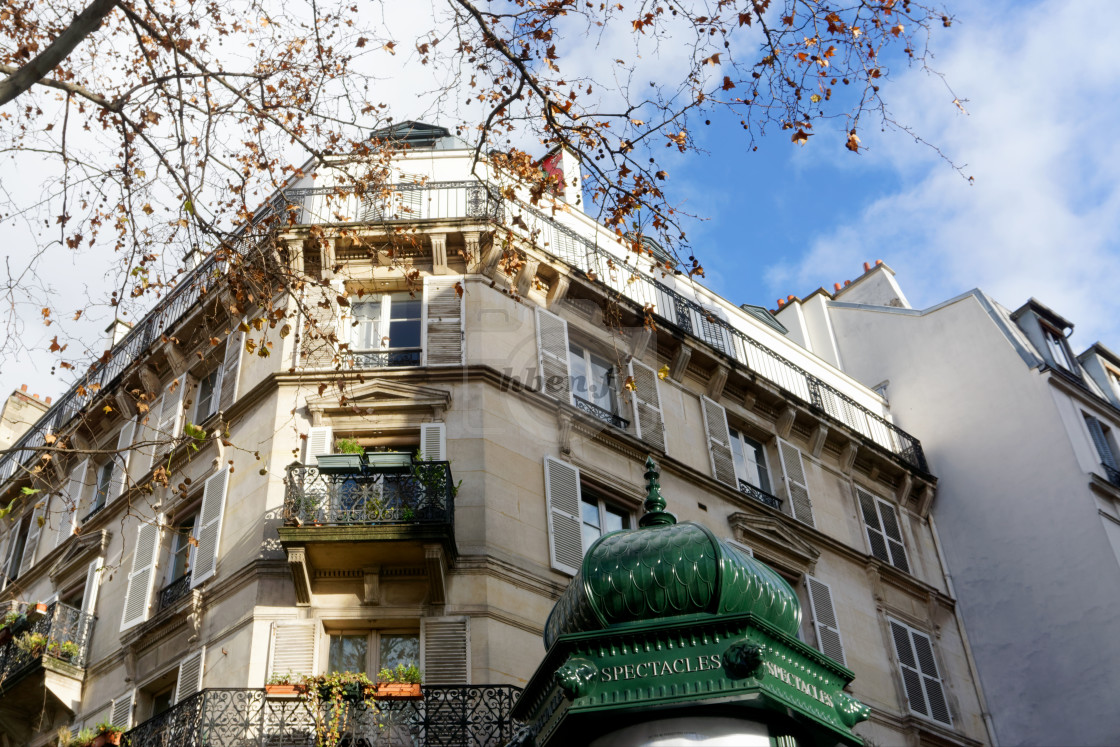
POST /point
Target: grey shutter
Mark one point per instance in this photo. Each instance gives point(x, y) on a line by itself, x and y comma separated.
point(121, 460)
point(293, 648)
point(320, 440)
point(138, 595)
point(824, 620)
point(433, 442)
point(122, 711)
point(209, 527)
point(1104, 449)
point(647, 405)
point(552, 355)
point(170, 417)
point(38, 519)
point(442, 321)
point(445, 650)
point(794, 470)
point(919, 671)
point(884, 534)
point(189, 680)
point(93, 585)
point(565, 531)
point(231, 370)
point(75, 486)
point(719, 442)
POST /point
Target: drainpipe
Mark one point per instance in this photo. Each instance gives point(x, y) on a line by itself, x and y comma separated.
point(964, 636)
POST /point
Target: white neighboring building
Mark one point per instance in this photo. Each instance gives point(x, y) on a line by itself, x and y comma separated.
point(1023, 437)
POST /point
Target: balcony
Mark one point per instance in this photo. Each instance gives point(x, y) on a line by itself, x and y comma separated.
point(466, 715)
point(374, 518)
point(1112, 474)
point(760, 495)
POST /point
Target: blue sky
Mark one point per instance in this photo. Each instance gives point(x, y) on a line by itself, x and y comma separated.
point(1041, 219)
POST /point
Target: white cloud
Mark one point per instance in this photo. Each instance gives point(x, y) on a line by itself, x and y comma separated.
point(1043, 217)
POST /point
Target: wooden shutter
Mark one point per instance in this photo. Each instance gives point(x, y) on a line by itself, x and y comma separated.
point(884, 533)
point(75, 486)
point(9, 550)
point(38, 519)
point(122, 711)
point(740, 547)
point(433, 442)
point(824, 620)
point(919, 671)
point(93, 585)
point(293, 648)
point(719, 442)
point(552, 355)
point(565, 531)
point(796, 485)
point(209, 527)
point(442, 320)
point(138, 595)
point(320, 440)
point(121, 460)
point(189, 680)
point(1104, 449)
point(647, 405)
point(231, 370)
point(445, 650)
point(170, 417)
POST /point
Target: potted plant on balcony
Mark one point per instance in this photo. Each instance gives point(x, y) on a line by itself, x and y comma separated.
point(331, 698)
point(399, 683)
point(107, 733)
point(12, 623)
point(398, 461)
point(32, 643)
point(349, 457)
point(84, 738)
point(284, 684)
point(65, 650)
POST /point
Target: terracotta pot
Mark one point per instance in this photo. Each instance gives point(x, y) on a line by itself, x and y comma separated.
point(41, 608)
point(398, 690)
point(281, 689)
point(103, 739)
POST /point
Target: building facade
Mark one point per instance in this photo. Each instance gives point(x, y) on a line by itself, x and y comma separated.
point(194, 547)
point(1022, 435)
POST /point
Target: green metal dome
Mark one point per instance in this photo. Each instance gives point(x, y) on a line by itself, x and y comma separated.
point(665, 570)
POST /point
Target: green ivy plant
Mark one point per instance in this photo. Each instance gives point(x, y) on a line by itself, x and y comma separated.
point(331, 698)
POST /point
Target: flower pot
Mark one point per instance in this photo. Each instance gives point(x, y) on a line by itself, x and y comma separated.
point(389, 460)
point(281, 689)
point(339, 464)
point(398, 690)
point(41, 608)
point(103, 739)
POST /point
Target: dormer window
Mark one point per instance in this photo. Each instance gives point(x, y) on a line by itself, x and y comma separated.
point(1058, 348)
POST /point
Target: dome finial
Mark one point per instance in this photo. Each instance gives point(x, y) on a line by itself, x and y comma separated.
point(655, 514)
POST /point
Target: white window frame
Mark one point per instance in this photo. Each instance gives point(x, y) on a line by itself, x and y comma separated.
point(213, 403)
point(373, 644)
point(1058, 347)
point(174, 543)
point(603, 504)
point(616, 408)
point(381, 324)
point(738, 435)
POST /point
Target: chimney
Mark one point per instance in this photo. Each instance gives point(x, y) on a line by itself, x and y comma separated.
point(23, 387)
point(193, 258)
point(115, 332)
point(867, 267)
point(837, 286)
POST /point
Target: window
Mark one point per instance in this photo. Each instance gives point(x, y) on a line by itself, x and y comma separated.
point(599, 518)
point(386, 331)
point(103, 487)
point(594, 383)
point(371, 651)
point(1058, 348)
point(1105, 443)
point(920, 676)
point(209, 394)
point(750, 461)
point(884, 533)
point(181, 548)
point(1114, 380)
point(18, 542)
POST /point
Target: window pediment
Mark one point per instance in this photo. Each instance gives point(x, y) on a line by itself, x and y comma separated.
point(380, 396)
point(770, 538)
point(80, 550)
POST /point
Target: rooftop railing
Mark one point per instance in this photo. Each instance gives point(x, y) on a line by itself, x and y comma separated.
point(459, 715)
point(422, 495)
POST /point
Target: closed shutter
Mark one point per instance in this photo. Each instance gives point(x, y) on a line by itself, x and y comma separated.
point(647, 405)
point(884, 534)
point(138, 595)
point(1100, 440)
point(719, 442)
point(740, 547)
point(293, 648)
point(209, 527)
point(920, 675)
point(319, 337)
point(171, 417)
point(231, 369)
point(38, 519)
point(320, 440)
point(9, 549)
point(433, 442)
point(189, 680)
point(794, 470)
point(552, 355)
point(122, 711)
point(445, 650)
point(93, 585)
point(824, 620)
point(120, 461)
point(75, 487)
point(565, 532)
point(442, 321)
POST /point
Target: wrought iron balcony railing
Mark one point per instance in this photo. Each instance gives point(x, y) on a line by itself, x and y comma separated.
point(174, 591)
point(1112, 473)
point(760, 495)
point(423, 495)
point(383, 358)
point(61, 633)
point(600, 412)
point(446, 715)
